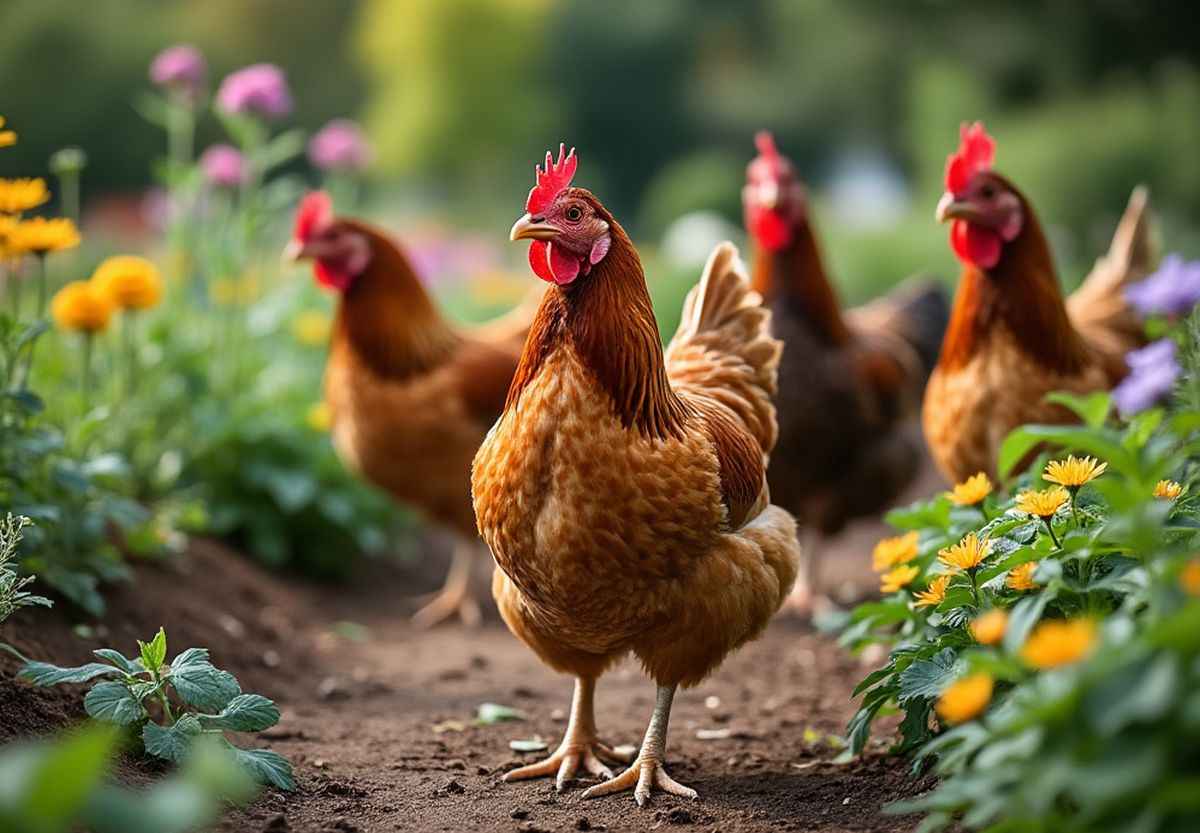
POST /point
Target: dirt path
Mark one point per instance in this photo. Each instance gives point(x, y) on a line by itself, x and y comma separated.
point(376, 716)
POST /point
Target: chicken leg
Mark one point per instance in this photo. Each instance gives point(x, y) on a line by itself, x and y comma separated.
point(647, 771)
point(455, 595)
point(579, 748)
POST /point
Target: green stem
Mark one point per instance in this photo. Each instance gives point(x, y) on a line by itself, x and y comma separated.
point(129, 331)
point(1053, 537)
point(41, 287)
point(162, 697)
point(68, 184)
point(86, 381)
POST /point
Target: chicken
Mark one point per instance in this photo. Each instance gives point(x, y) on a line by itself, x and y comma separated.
point(1012, 339)
point(410, 395)
point(848, 380)
point(623, 492)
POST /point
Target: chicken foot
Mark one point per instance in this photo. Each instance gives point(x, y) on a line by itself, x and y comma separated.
point(580, 748)
point(455, 597)
point(646, 772)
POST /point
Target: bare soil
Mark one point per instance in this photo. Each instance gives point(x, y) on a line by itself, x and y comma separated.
point(377, 716)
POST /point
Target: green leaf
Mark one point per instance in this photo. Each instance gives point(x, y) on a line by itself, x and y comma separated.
point(45, 674)
point(155, 653)
point(199, 683)
point(266, 767)
point(928, 678)
point(51, 783)
point(113, 702)
point(245, 713)
point(172, 743)
point(1100, 442)
point(129, 666)
point(1093, 408)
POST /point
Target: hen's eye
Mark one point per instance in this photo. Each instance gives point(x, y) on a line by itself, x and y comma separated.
point(987, 192)
point(574, 214)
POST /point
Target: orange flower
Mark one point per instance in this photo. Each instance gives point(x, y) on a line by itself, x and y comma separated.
point(892, 551)
point(1058, 642)
point(1074, 471)
point(1189, 578)
point(935, 593)
point(1043, 503)
point(897, 577)
point(1020, 578)
point(129, 282)
point(78, 306)
point(1167, 490)
point(966, 698)
point(967, 553)
point(988, 628)
point(971, 491)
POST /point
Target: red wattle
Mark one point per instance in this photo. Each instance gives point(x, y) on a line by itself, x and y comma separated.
point(551, 264)
point(975, 246)
point(770, 229)
point(337, 279)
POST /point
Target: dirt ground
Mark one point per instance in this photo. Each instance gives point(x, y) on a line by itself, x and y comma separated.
point(377, 716)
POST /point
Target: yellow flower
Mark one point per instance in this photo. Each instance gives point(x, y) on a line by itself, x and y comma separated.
point(1074, 471)
point(319, 417)
point(78, 306)
point(935, 593)
point(988, 628)
point(129, 282)
point(965, 699)
point(967, 553)
point(1189, 578)
point(1058, 643)
point(223, 291)
point(1168, 490)
point(971, 491)
point(311, 328)
point(39, 236)
point(897, 577)
point(1020, 577)
point(17, 195)
point(1043, 503)
point(7, 137)
point(892, 551)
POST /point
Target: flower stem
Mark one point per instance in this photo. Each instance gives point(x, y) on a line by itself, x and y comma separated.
point(131, 358)
point(86, 379)
point(1050, 529)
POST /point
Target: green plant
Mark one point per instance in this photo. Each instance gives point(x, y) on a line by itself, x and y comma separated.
point(64, 784)
point(13, 594)
point(207, 702)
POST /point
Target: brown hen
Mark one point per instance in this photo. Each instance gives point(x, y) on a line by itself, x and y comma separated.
point(1012, 338)
point(623, 492)
point(411, 396)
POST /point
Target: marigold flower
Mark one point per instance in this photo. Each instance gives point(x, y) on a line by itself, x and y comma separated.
point(1167, 490)
point(40, 236)
point(1059, 642)
point(17, 195)
point(1020, 577)
point(79, 306)
point(935, 593)
point(899, 576)
point(7, 137)
point(319, 417)
point(971, 491)
point(967, 553)
point(988, 628)
point(129, 281)
point(966, 698)
point(1189, 577)
point(1074, 471)
point(891, 551)
point(1043, 503)
point(311, 328)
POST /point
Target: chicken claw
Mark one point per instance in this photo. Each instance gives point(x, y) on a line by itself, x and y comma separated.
point(646, 772)
point(455, 595)
point(580, 748)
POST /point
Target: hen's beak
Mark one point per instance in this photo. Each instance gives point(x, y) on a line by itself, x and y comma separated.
point(527, 229)
point(768, 195)
point(295, 251)
point(949, 208)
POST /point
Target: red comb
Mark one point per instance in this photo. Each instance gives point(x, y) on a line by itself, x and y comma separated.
point(553, 180)
point(975, 153)
point(315, 212)
point(765, 143)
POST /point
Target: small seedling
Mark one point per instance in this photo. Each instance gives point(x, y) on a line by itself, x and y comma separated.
point(207, 703)
point(12, 587)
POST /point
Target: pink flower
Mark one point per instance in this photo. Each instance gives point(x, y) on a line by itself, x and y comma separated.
point(340, 145)
point(182, 70)
point(257, 90)
point(223, 166)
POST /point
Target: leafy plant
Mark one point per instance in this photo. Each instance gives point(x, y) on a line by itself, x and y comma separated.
point(12, 587)
point(207, 702)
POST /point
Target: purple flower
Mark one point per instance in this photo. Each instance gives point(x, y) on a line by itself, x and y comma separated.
point(182, 70)
point(1173, 290)
point(223, 166)
point(1152, 374)
point(257, 90)
point(340, 145)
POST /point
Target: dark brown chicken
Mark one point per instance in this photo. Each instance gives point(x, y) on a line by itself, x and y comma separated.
point(848, 378)
point(411, 395)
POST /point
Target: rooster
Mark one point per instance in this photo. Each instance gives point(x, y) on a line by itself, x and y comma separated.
point(623, 492)
point(410, 395)
point(849, 380)
point(1012, 338)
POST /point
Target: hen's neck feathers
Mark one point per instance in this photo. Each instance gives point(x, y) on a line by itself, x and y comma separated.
point(387, 319)
point(607, 318)
point(1022, 293)
point(796, 273)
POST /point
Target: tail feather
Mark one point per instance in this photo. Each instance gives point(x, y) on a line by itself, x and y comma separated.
point(724, 350)
point(1098, 309)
